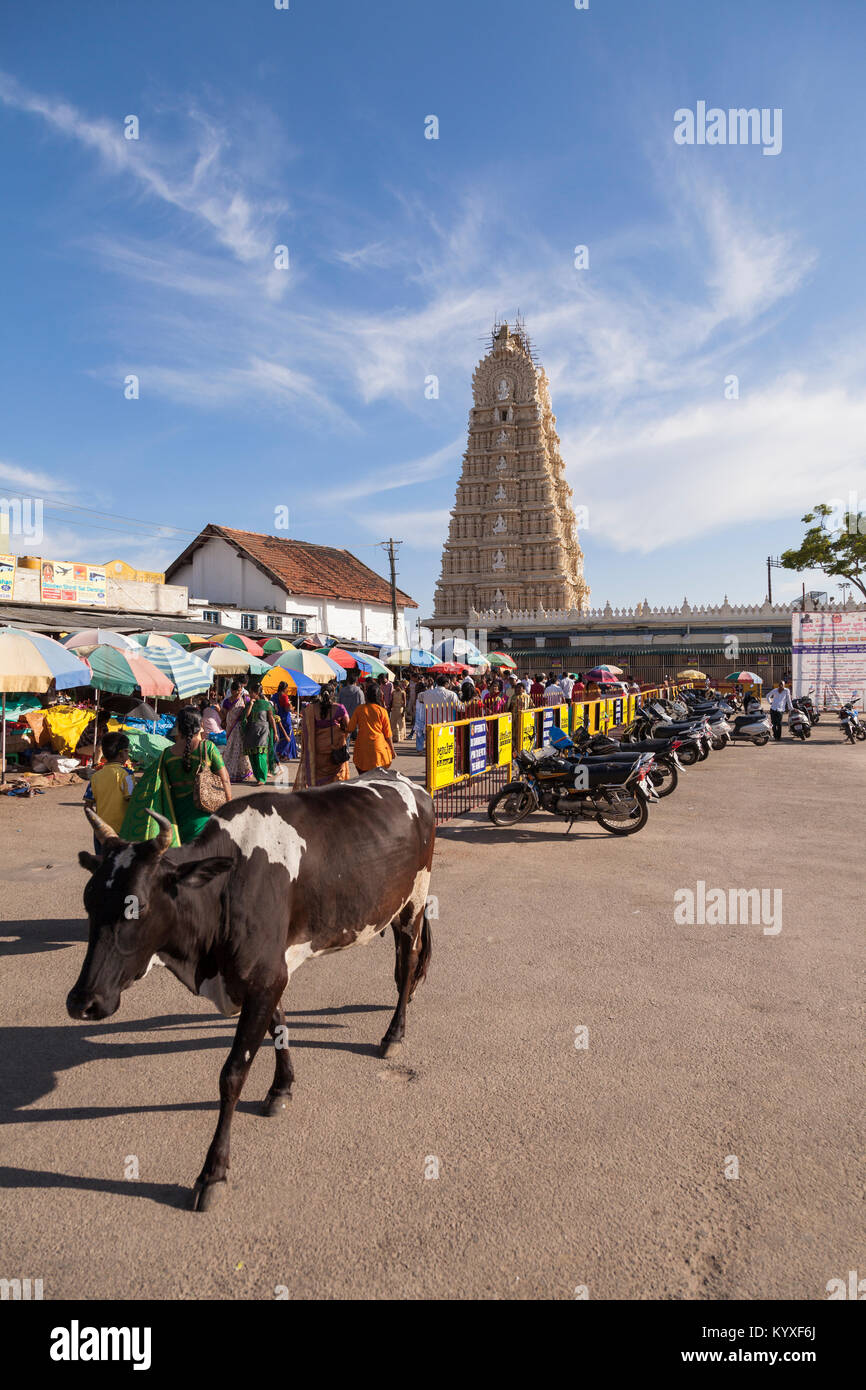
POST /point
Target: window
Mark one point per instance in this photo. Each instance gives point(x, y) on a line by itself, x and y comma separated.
point(299, 625)
point(210, 615)
point(248, 622)
point(275, 624)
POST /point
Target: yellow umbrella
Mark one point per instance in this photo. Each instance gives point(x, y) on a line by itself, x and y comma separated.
point(691, 675)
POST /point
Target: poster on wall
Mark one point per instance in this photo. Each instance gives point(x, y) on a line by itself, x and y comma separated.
point(7, 576)
point(829, 655)
point(64, 581)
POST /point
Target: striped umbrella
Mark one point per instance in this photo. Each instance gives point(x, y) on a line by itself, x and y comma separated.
point(236, 639)
point(188, 673)
point(29, 662)
point(313, 664)
point(277, 644)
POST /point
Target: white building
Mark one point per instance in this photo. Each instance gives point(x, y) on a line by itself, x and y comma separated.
point(267, 584)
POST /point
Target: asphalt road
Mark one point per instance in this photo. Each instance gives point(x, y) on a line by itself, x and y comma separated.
point(559, 1167)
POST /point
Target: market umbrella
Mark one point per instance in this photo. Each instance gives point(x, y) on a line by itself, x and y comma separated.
point(277, 644)
point(691, 675)
point(236, 639)
point(598, 672)
point(313, 664)
point(85, 642)
point(188, 673)
point(500, 659)
point(143, 747)
point(231, 661)
point(747, 678)
point(158, 639)
point(601, 676)
point(123, 673)
point(29, 662)
point(295, 680)
point(350, 660)
point(460, 650)
point(448, 668)
point(407, 656)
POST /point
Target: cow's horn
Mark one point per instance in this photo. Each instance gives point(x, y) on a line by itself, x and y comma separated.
point(101, 829)
point(166, 831)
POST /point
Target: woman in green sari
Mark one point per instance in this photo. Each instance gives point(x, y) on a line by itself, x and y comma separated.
point(260, 732)
point(168, 785)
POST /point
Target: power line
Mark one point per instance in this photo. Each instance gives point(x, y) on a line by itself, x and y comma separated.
point(92, 511)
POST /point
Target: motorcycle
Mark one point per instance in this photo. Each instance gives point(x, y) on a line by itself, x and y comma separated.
point(850, 720)
point(798, 724)
point(664, 769)
point(611, 792)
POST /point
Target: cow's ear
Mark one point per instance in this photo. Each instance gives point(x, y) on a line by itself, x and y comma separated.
point(195, 875)
point(89, 861)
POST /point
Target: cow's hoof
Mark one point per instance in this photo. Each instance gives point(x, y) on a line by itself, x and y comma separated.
point(206, 1195)
point(275, 1105)
point(388, 1046)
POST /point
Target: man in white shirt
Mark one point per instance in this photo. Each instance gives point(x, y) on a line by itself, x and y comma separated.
point(440, 694)
point(780, 703)
point(567, 685)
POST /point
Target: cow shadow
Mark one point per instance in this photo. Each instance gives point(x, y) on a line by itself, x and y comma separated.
point(31, 1058)
point(31, 936)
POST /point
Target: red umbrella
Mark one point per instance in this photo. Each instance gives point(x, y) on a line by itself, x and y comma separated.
point(448, 668)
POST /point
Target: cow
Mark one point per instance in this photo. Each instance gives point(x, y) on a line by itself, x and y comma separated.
point(274, 879)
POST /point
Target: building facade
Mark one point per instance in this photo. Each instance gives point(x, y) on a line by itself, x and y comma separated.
point(512, 542)
point(276, 586)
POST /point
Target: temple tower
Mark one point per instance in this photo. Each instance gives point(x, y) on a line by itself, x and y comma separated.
point(512, 543)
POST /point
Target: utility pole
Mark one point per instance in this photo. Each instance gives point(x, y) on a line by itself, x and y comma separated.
point(389, 546)
point(772, 565)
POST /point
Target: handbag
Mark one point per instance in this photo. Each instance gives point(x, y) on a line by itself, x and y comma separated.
point(207, 789)
point(339, 755)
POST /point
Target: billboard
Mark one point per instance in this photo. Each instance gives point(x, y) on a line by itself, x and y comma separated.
point(829, 655)
point(7, 576)
point(64, 581)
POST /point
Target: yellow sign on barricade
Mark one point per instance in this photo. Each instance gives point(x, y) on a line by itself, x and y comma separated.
point(505, 736)
point(440, 762)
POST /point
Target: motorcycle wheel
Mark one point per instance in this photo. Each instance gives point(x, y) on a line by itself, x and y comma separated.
point(718, 744)
point(761, 740)
point(703, 754)
point(798, 733)
point(664, 778)
point(687, 754)
point(861, 734)
point(509, 805)
point(636, 821)
point(807, 732)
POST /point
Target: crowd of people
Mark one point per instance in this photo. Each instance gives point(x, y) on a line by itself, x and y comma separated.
point(245, 736)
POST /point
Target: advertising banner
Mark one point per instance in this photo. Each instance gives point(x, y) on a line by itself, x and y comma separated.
point(441, 738)
point(829, 654)
point(7, 576)
point(64, 581)
point(477, 746)
point(505, 737)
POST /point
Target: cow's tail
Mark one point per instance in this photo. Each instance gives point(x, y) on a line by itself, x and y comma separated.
point(425, 953)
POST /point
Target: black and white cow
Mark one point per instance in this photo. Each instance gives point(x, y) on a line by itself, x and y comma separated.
point(273, 880)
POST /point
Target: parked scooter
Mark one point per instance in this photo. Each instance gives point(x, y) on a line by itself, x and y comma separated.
point(753, 727)
point(798, 724)
point(806, 704)
point(850, 720)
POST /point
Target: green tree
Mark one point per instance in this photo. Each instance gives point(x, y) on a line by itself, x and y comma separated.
point(840, 553)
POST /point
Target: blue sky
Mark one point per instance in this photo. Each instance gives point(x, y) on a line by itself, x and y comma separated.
point(262, 388)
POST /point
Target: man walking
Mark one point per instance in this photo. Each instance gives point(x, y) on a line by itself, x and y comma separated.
point(780, 703)
point(349, 694)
